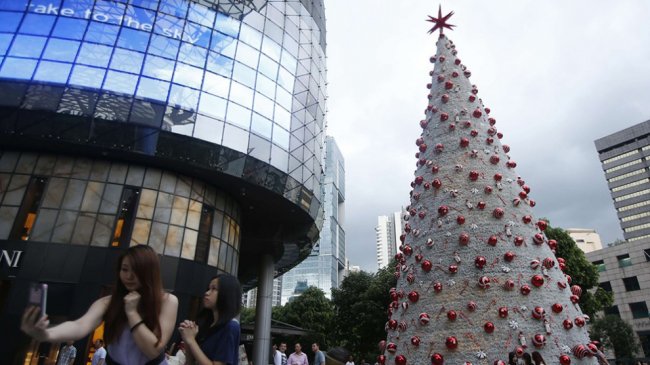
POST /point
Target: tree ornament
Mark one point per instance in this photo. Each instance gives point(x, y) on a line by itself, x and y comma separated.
point(557, 308)
point(538, 238)
point(414, 296)
point(437, 359)
point(498, 213)
point(415, 341)
point(565, 360)
point(424, 319)
point(503, 312)
point(492, 240)
point(488, 327)
point(548, 262)
point(444, 117)
point(480, 262)
point(567, 324)
point(443, 210)
point(463, 239)
point(576, 290)
point(391, 347)
point(487, 190)
point(509, 284)
point(392, 324)
point(580, 351)
point(494, 159)
point(525, 289)
point(518, 241)
point(471, 306)
point(426, 265)
point(400, 360)
point(539, 340)
point(473, 175)
point(481, 205)
point(484, 282)
point(509, 256)
point(538, 312)
point(542, 225)
point(437, 287)
point(537, 280)
point(579, 321)
point(526, 219)
point(452, 315)
point(477, 113)
point(460, 219)
point(451, 342)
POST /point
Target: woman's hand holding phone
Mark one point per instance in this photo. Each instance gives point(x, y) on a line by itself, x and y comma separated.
point(35, 324)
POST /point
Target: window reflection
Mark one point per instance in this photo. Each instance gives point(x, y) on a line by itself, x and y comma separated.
point(188, 75)
point(158, 67)
point(37, 24)
point(9, 21)
point(219, 64)
point(184, 97)
point(153, 89)
point(133, 39)
point(61, 50)
point(17, 68)
point(192, 54)
point(53, 71)
point(163, 46)
point(213, 106)
point(27, 46)
point(238, 115)
point(101, 33)
point(94, 54)
point(242, 94)
point(87, 76)
point(128, 61)
point(120, 82)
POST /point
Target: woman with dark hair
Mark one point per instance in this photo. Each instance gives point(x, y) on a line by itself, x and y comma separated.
point(138, 316)
point(215, 341)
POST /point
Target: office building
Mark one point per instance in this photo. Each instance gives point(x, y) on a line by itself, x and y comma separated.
point(624, 270)
point(587, 239)
point(193, 126)
point(624, 157)
point(325, 266)
point(249, 298)
point(388, 231)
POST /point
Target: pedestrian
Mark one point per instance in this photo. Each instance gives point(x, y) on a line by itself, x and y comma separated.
point(67, 354)
point(350, 360)
point(138, 316)
point(319, 357)
point(99, 357)
point(216, 336)
point(298, 357)
point(280, 356)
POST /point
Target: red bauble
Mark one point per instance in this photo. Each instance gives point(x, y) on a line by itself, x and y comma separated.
point(487, 190)
point(414, 296)
point(463, 239)
point(471, 98)
point(451, 342)
point(503, 312)
point(537, 280)
point(408, 250)
point(492, 131)
point(518, 241)
point(565, 360)
point(557, 308)
point(484, 282)
point(574, 299)
point(400, 360)
point(492, 240)
point(498, 213)
point(542, 225)
point(477, 113)
point(473, 175)
point(452, 315)
point(494, 159)
point(464, 142)
point(525, 289)
point(538, 238)
point(444, 98)
point(443, 210)
point(539, 340)
point(392, 324)
point(538, 312)
point(426, 265)
point(523, 195)
point(437, 287)
point(424, 318)
point(436, 183)
point(381, 359)
point(509, 284)
point(444, 117)
point(526, 189)
point(391, 347)
point(449, 85)
point(460, 219)
point(576, 290)
point(437, 359)
point(415, 341)
point(526, 219)
point(418, 257)
point(435, 169)
point(579, 321)
point(481, 205)
point(480, 262)
point(489, 140)
point(506, 148)
point(498, 177)
point(552, 244)
point(423, 147)
point(488, 327)
point(471, 306)
point(453, 269)
point(567, 324)
point(473, 133)
point(509, 256)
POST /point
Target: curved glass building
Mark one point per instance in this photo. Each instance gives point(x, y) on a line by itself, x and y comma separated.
point(193, 126)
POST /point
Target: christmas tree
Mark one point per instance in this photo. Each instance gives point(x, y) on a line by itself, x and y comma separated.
point(478, 281)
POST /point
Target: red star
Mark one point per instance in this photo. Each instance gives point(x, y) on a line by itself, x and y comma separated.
point(441, 21)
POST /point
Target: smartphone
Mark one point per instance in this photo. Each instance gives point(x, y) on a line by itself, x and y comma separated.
point(38, 296)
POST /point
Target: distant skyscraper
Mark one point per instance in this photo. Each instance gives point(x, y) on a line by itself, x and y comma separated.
point(388, 230)
point(249, 299)
point(623, 157)
point(325, 266)
point(588, 240)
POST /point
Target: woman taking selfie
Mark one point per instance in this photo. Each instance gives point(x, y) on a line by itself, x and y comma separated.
point(215, 341)
point(138, 316)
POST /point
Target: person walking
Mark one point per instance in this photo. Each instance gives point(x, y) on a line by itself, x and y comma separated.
point(298, 357)
point(280, 356)
point(138, 316)
point(215, 340)
point(67, 354)
point(319, 357)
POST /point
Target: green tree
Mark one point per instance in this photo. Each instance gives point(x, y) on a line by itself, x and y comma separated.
point(615, 333)
point(361, 303)
point(247, 315)
point(582, 272)
point(311, 311)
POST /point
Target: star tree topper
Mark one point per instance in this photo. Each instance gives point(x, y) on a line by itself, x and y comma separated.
point(441, 21)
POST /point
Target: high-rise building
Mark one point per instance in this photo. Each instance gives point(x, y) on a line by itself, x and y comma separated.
point(625, 159)
point(249, 298)
point(193, 126)
point(587, 239)
point(325, 266)
point(388, 231)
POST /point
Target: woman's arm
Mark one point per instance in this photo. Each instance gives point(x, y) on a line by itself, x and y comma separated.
point(37, 328)
point(144, 338)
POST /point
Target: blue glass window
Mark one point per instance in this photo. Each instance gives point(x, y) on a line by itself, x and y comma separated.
point(18, 68)
point(9, 21)
point(213, 105)
point(241, 94)
point(153, 89)
point(200, 14)
point(37, 24)
point(120, 82)
point(266, 86)
point(27, 46)
point(125, 60)
point(158, 67)
point(163, 46)
point(102, 33)
point(223, 44)
point(174, 7)
point(184, 97)
point(149, 4)
point(5, 39)
point(197, 35)
point(45, 6)
point(94, 54)
point(188, 75)
point(87, 76)
point(19, 5)
point(239, 115)
point(61, 50)
point(76, 8)
point(53, 71)
point(139, 18)
point(133, 39)
point(227, 25)
point(271, 49)
point(108, 12)
point(219, 64)
point(250, 36)
point(244, 75)
point(192, 54)
point(169, 26)
point(216, 84)
point(70, 28)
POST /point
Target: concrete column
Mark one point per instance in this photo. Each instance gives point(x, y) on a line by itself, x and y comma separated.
point(262, 341)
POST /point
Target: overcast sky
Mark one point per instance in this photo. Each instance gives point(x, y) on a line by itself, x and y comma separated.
point(556, 74)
